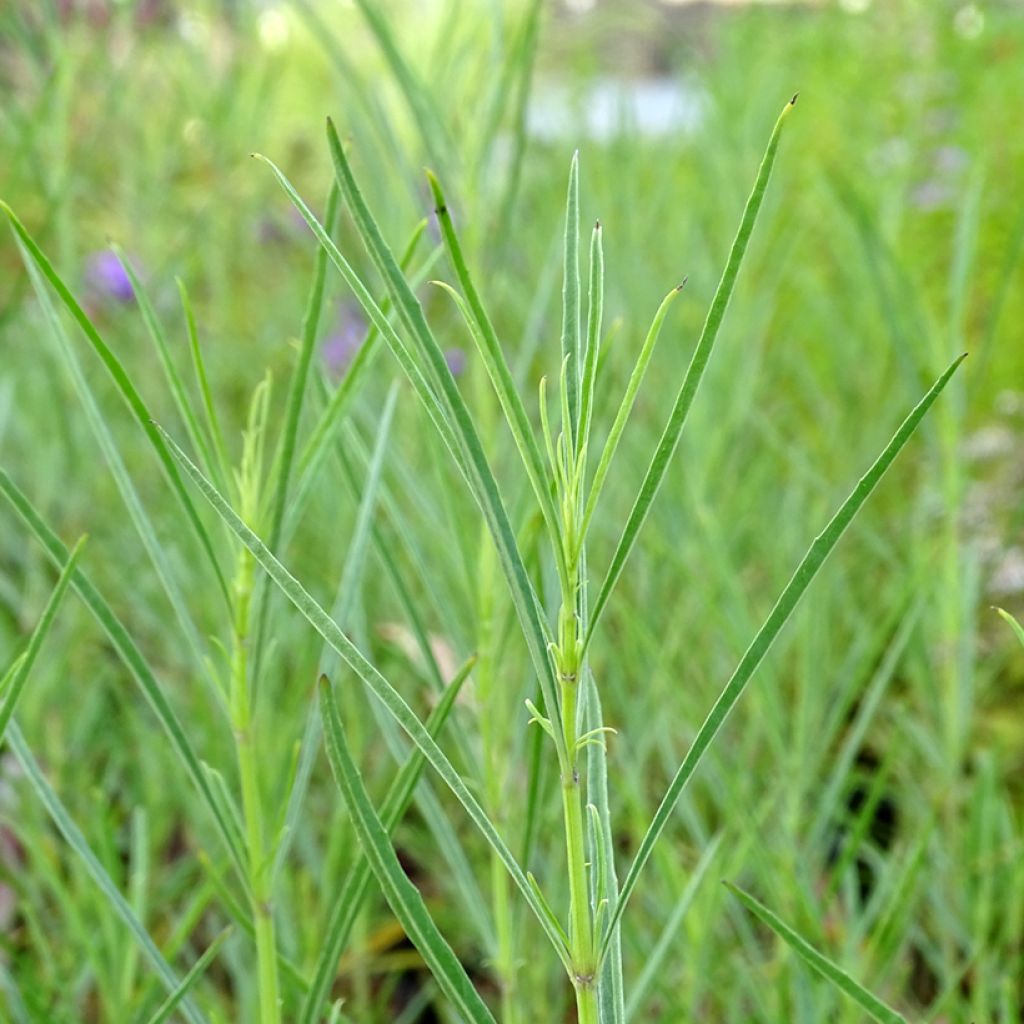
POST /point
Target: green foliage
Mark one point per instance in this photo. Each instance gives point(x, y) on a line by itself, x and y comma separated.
point(533, 822)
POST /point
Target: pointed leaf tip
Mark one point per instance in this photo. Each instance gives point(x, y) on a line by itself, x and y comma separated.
point(796, 96)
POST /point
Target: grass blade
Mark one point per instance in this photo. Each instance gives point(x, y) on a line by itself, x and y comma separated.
point(122, 478)
point(297, 392)
point(13, 690)
point(496, 364)
point(870, 1004)
point(626, 406)
point(388, 696)
point(376, 315)
point(571, 302)
point(199, 368)
point(777, 618)
point(653, 962)
point(350, 897)
point(127, 389)
point(474, 463)
point(595, 316)
point(170, 1004)
point(403, 897)
point(174, 382)
point(70, 831)
point(691, 381)
point(132, 658)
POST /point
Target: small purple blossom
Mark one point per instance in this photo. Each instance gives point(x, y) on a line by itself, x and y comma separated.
point(107, 278)
point(340, 348)
point(456, 360)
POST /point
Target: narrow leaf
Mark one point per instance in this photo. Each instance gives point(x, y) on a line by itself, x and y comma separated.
point(402, 896)
point(389, 697)
point(777, 618)
point(132, 658)
point(691, 381)
point(14, 688)
point(127, 389)
point(870, 1004)
point(70, 831)
point(170, 1004)
point(350, 897)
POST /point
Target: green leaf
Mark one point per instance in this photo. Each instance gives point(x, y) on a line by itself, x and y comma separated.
point(13, 689)
point(70, 831)
point(389, 697)
point(486, 339)
point(691, 381)
point(170, 1004)
point(402, 896)
point(350, 897)
point(667, 940)
point(199, 368)
point(174, 382)
point(777, 618)
point(469, 450)
point(1018, 630)
point(297, 391)
point(122, 479)
point(127, 389)
point(626, 406)
point(595, 315)
point(132, 658)
point(571, 304)
point(861, 996)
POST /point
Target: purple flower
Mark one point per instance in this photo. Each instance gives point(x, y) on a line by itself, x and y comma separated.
point(456, 360)
point(106, 277)
point(340, 348)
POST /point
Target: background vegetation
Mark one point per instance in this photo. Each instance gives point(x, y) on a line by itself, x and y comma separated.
point(868, 786)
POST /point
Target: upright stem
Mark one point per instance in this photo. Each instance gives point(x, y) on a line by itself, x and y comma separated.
point(581, 933)
point(252, 804)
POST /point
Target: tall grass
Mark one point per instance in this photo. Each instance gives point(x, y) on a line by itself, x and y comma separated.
point(552, 558)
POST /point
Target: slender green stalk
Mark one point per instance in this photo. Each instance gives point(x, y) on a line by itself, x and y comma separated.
point(260, 859)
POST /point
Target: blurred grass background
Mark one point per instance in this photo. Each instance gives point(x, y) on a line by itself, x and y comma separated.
point(868, 787)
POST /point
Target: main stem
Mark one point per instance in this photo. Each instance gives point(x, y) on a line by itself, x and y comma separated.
point(581, 934)
point(252, 804)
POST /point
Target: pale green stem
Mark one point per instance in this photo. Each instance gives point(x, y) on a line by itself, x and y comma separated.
point(581, 935)
point(252, 804)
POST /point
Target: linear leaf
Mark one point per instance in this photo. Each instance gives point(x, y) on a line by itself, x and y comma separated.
point(127, 389)
point(13, 690)
point(571, 302)
point(777, 618)
point(653, 962)
point(403, 897)
point(496, 364)
point(625, 407)
point(473, 462)
point(691, 380)
point(122, 478)
point(389, 697)
point(170, 1004)
point(174, 382)
point(206, 393)
point(132, 658)
point(350, 897)
point(826, 968)
point(67, 828)
point(595, 315)
point(376, 315)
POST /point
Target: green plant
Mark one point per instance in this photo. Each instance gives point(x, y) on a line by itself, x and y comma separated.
point(566, 470)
